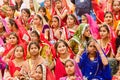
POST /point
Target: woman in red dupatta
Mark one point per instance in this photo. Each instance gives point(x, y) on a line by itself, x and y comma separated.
point(61, 11)
point(17, 63)
point(70, 27)
point(108, 19)
point(63, 55)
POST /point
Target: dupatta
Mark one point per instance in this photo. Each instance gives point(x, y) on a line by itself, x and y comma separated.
point(93, 26)
point(77, 70)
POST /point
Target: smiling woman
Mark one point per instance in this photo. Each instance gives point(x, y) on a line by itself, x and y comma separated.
point(62, 55)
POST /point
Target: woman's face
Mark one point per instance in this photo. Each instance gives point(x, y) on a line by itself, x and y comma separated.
point(55, 23)
point(34, 50)
point(108, 18)
point(25, 15)
point(19, 52)
point(87, 32)
point(70, 21)
point(37, 20)
point(39, 74)
point(61, 48)
point(13, 39)
point(69, 67)
point(58, 4)
point(103, 33)
point(42, 12)
point(34, 37)
point(47, 3)
point(116, 6)
point(91, 47)
point(10, 11)
point(84, 19)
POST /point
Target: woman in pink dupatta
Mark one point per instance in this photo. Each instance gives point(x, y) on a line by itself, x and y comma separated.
point(3, 30)
point(73, 71)
point(93, 25)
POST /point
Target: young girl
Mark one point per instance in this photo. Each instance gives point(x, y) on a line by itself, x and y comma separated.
point(10, 12)
point(55, 30)
point(34, 59)
point(45, 49)
point(108, 19)
point(93, 63)
point(116, 12)
point(70, 28)
point(17, 63)
point(72, 70)
point(42, 11)
point(104, 41)
point(60, 11)
point(62, 55)
point(39, 25)
point(13, 42)
point(43, 73)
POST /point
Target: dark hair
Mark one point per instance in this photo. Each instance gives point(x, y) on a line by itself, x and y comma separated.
point(27, 11)
point(19, 46)
point(12, 7)
point(16, 6)
point(44, 10)
point(36, 33)
point(115, 1)
point(108, 12)
point(14, 34)
point(58, 42)
point(72, 15)
point(12, 22)
point(40, 67)
point(106, 27)
point(69, 60)
point(32, 44)
point(40, 17)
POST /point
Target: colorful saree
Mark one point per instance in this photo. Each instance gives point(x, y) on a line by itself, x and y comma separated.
point(94, 69)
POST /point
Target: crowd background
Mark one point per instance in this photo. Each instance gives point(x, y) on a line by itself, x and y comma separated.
point(59, 39)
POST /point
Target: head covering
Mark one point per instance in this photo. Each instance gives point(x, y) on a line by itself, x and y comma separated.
point(56, 16)
point(79, 32)
point(77, 72)
point(44, 71)
point(5, 25)
point(93, 26)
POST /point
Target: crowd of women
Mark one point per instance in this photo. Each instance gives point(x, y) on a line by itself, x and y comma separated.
point(59, 40)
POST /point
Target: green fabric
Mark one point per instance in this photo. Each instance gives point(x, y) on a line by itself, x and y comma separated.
point(79, 32)
point(76, 39)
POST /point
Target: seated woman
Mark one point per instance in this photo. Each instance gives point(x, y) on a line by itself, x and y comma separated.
point(43, 73)
point(94, 64)
point(72, 70)
point(15, 65)
point(81, 37)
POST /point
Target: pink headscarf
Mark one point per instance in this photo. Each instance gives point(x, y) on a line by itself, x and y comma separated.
point(93, 26)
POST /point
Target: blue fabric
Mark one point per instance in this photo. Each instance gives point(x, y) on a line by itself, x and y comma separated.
point(94, 69)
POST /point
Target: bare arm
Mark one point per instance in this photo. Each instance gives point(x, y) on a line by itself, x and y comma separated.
point(102, 55)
